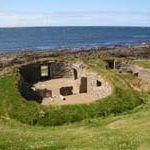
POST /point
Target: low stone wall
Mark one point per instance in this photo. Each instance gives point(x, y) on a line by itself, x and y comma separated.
point(93, 90)
point(140, 72)
point(60, 70)
point(31, 74)
point(28, 93)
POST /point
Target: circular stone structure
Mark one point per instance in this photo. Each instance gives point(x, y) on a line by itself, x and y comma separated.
point(63, 83)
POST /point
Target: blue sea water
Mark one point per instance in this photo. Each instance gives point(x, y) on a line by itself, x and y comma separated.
point(55, 38)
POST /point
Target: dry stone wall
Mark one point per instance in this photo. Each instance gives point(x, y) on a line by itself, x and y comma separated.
point(31, 74)
point(59, 70)
point(87, 81)
point(141, 73)
point(98, 92)
point(95, 91)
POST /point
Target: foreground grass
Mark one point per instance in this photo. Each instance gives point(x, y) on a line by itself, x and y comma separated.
point(125, 132)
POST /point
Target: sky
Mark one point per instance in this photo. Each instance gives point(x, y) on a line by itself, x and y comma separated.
point(26, 13)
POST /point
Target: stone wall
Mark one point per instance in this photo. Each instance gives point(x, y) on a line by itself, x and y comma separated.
point(87, 81)
point(140, 72)
point(30, 73)
point(59, 70)
point(93, 90)
point(96, 91)
point(28, 93)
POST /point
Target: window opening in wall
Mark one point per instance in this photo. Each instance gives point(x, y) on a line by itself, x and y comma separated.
point(110, 64)
point(136, 74)
point(44, 70)
point(99, 83)
point(65, 91)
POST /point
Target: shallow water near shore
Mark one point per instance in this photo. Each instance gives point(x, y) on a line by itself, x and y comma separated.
point(51, 38)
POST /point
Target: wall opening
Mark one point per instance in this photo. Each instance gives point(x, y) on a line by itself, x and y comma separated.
point(136, 74)
point(75, 73)
point(45, 92)
point(83, 85)
point(44, 71)
point(98, 83)
point(110, 64)
point(65, 91)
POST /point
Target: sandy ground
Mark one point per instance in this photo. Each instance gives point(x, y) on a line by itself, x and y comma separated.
point(55, 85)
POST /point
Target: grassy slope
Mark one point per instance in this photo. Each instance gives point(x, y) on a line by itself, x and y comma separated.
point(142, 63)
point(125, 132)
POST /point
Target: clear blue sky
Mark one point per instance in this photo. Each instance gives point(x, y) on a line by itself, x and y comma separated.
point(74, 13)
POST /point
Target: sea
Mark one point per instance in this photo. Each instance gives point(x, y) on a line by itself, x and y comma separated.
point(75, 38)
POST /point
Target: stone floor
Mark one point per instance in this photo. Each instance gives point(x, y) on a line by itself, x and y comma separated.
point(55, 85)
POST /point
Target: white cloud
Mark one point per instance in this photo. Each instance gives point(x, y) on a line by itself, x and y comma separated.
point(25, 19)
point(102, 18)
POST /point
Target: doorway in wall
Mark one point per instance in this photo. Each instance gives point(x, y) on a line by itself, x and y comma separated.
point(83, 85)
point(44, 71)
point(75, 74)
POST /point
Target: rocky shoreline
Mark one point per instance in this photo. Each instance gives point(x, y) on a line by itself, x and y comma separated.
point(16, 58)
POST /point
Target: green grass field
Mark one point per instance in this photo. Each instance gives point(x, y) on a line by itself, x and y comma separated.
point(129, 131)
point(120, 122)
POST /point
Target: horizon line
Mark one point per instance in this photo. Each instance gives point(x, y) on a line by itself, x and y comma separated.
point(132, 26)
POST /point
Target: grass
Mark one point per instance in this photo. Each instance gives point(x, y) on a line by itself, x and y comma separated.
point(120, 122)
point(142, 63)
point(137, 84)
point(124, 132)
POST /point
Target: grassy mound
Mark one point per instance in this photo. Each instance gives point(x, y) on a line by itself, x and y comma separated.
point(12, 105)
point(128, 131)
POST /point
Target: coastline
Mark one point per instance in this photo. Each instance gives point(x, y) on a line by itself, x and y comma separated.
point(9, 59)
point(141, 45)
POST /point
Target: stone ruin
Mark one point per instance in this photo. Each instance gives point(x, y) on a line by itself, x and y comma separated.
point(122, 67)
point(38, 82)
